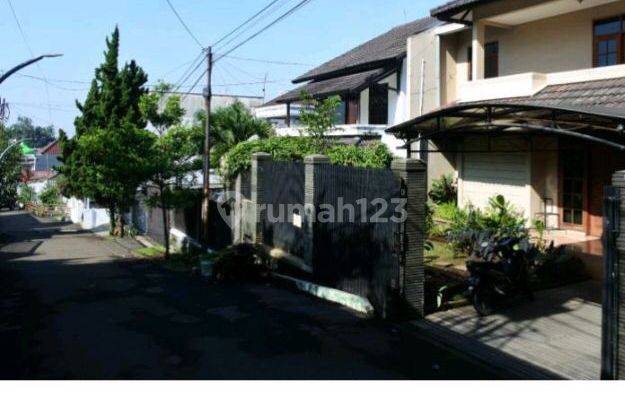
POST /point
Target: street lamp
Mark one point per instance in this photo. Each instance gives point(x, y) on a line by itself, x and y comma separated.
point(26, 64)
point(12, 145)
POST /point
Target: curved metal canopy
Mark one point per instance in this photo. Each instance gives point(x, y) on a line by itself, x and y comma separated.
point(600, 125)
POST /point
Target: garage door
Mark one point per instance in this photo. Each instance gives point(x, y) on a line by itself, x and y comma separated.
point(485, 175)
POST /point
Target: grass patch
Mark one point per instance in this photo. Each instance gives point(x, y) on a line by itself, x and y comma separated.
point(151, 252)
point(443, 253)
point(178, 261)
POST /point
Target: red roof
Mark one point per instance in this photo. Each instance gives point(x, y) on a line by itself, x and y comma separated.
point(35, 176)
point(53, 148)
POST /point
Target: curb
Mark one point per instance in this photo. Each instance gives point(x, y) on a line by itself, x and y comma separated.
point(354, 302)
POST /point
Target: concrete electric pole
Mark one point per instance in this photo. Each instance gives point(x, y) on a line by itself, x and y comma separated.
point(208, 95)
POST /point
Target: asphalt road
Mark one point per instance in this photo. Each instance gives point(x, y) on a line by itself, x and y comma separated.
point(76, 306)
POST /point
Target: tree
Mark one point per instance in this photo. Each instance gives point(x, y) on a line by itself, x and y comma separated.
point(34, 136)
point(232, 125)
point(106, 160)
point(115, 162)
point(319, 117)
point(172, 156)
point(161, 110)
point(10, 170)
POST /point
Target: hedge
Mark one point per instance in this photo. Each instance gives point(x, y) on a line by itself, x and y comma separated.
point(239, 159)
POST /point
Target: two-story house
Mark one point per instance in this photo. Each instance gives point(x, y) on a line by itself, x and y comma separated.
point(528, 101)
point(373, 82)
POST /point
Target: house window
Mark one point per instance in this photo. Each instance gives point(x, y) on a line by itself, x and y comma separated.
point(470, 63)
point(378, 104)
point(491, 60)
point(573, 197)
point(608, 42)
point(353, 110)
point(341, 113)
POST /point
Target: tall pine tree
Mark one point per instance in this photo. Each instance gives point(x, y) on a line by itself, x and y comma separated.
point(105, 161)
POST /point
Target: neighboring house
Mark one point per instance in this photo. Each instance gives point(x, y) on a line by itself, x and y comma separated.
point(526, 99)
point(195, 103)
point(373, 81)
point(280, 115)
point(47, 158)
point(39, 180)
point(38, 164)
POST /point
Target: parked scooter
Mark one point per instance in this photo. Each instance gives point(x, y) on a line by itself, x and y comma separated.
point(499, 273)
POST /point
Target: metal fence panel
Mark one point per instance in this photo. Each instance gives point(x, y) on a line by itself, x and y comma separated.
point(357, 254)
point(284, 189)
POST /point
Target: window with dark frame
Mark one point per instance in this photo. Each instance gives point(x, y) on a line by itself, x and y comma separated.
point(378, 104)
point(491, 60)
point(470, 63)
point(608, 42)
point(573, 173)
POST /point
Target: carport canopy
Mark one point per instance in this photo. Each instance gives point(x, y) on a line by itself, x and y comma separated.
point(593, 124)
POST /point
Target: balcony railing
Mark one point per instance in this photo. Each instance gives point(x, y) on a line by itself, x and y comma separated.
point(346, 130)
point(528, 84)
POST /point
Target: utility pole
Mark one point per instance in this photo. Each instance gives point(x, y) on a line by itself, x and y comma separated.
point(265, 88)
point(208, 95)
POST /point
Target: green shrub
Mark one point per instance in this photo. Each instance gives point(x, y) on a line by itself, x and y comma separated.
point(50, 196)
point(446, 211)
point(239, 159)
point(500, 219)
point(26, 195)
point(243, 262)
point(444, 190)
point(376, 156)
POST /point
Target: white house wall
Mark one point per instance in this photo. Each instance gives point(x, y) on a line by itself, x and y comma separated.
point(398, 107)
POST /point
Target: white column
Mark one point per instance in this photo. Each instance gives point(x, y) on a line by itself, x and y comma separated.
point(479, 35)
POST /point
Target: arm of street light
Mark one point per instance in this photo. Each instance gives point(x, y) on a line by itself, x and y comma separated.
point(25, 64)
point(9, 148)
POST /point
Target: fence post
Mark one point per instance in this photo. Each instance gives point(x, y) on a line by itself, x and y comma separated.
point(260, 167)
point(614, 300)
point(412, 174)
point(313, 166)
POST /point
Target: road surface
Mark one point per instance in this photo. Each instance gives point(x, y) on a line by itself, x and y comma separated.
point(76, 306)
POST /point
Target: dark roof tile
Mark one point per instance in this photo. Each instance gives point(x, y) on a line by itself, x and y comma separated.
point(456, 6)
point(386, 47)
point(609, 93)
point(345, 84)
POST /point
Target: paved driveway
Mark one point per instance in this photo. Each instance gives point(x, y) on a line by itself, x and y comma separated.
point(76, 306)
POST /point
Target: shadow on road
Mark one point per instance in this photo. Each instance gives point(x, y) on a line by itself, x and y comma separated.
point(70, 307)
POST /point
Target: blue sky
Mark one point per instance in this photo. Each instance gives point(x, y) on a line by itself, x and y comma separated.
point(151, 35)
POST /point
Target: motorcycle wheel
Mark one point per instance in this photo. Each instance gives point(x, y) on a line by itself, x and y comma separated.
point(483, 302)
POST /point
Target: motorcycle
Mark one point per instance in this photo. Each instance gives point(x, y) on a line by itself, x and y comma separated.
point(499, 273)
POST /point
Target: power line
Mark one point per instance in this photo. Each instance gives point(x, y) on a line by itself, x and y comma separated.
point(32, 54)
point(173, 9)
point(258, 60)
point(274, 22)
point(189, 75)
point(254, 23)
point(223, 38)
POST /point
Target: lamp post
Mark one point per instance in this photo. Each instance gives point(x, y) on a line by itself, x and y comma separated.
point(26, 64)
point(12, 145)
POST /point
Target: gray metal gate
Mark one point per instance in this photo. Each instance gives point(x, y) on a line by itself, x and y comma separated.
point(611, 232)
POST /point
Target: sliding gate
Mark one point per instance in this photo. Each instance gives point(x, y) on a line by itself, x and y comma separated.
point(611, 286)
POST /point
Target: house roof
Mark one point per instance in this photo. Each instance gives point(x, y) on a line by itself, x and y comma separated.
point(451, 8)
point(382, 49)
point(606, 93)
point(53, 148)
point(346, 84)
point(592, 111)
